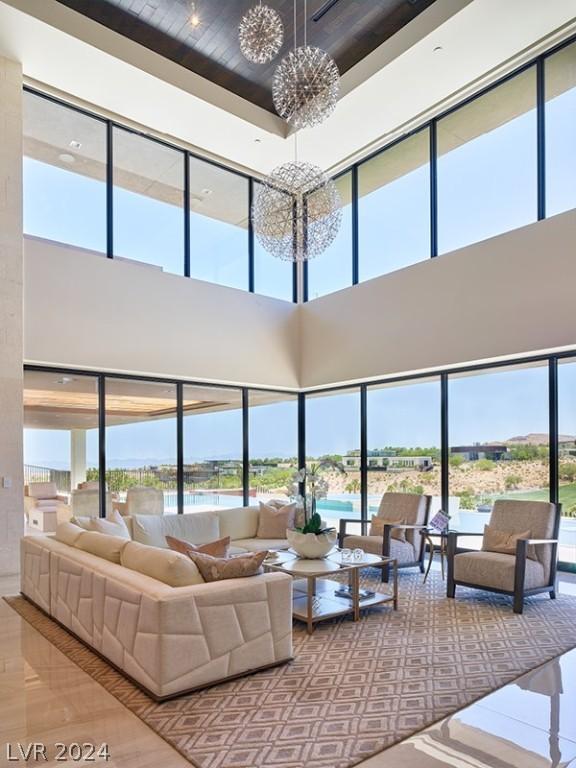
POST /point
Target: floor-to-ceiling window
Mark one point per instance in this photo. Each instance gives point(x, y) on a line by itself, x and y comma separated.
point(332, 270)
point(141, 445)
point(567, 457)
point(560, 116)
point(394, 207)
point(213, 447)
point(273, 445)
point(61, 439)
point(499, 439)
point(219, 215)
point(272, 276)
point(487, 164)
point(148, 208)
point(64, 174)
point(404, 438)
point(333, 432)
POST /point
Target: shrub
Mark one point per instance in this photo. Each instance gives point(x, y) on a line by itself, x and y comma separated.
point(485, 465)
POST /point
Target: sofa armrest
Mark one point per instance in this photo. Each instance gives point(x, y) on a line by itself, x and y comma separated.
point(231, 627)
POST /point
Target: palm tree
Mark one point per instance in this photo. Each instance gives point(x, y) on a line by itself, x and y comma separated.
point(353, 486)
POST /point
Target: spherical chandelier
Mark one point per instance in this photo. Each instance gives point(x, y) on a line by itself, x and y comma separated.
point(306, 86)
point(296, 211)
point(261, 34)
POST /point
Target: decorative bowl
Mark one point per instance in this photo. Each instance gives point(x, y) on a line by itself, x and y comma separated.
point(312, 546)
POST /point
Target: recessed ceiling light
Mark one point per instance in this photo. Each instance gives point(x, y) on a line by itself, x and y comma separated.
point(257, 141)
point(438, 49)
point(75, 144)
point(194, 18)
point(66, 158)
point(65, 380)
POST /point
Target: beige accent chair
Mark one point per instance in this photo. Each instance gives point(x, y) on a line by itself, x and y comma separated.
point(141, 500)
point(516, 575)
point(44, 507)
point(86, 502)
point(413, 509)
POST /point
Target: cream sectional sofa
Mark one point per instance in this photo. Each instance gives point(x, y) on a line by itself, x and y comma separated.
point(167, 639)
point(241, 524)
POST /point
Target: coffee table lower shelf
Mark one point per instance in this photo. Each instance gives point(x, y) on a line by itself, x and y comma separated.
point(326, 604)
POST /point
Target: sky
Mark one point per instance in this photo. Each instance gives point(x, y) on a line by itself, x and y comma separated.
point(485, 186)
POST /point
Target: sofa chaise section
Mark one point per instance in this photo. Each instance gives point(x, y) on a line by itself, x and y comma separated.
point(168, 640)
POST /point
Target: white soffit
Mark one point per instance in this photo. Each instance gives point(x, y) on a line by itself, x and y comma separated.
point(401, 80)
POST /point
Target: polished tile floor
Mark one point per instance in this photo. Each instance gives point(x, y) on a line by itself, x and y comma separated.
point(46, 698)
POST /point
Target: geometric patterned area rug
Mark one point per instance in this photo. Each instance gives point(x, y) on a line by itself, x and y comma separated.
point(353, 689)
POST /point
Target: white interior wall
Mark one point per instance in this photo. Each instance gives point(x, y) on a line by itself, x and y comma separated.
point(85, 311)
point(11, 477)
point(507, 296)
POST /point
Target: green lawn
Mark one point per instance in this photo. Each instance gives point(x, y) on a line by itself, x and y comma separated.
point(567, 495)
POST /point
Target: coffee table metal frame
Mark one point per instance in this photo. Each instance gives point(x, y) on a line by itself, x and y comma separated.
point(314, 596)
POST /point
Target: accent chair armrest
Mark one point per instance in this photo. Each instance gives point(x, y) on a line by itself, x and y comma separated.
point(342, 528)
point(539, 541)
point(406, 527)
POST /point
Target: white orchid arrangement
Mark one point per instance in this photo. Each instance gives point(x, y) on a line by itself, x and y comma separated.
point(317, 485)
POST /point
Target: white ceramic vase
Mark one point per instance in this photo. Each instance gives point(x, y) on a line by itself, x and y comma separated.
point(312, 546)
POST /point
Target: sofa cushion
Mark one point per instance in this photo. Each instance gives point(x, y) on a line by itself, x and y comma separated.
point(196, 527)
point(101, 545)
point(258, 545)
point(220, 568)
point(164, 565)
point(495, 570)
point(68, 533)
point(218, 548)
point(81, 522)
point(113, 525)
point(239, 522)
point(273, 521)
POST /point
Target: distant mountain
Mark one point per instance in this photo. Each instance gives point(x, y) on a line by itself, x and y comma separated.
point(538, 438)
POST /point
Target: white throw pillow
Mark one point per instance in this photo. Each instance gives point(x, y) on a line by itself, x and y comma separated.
point(101, 545)
point(196, 527)
point(113, 525)
point(82, 522)
point(68, 533)
point(164, 565)
point(238, 523)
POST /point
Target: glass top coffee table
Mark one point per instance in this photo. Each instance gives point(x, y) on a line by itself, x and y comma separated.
point(317, 597)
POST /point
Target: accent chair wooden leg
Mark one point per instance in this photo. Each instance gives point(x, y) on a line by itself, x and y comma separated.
point(386, 573)
point(552, 594)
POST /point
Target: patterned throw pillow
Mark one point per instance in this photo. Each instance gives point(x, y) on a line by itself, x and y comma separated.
point(505, 543)
point(377, 528)
point(237, 567)
point(218, 548)
point(274, 521)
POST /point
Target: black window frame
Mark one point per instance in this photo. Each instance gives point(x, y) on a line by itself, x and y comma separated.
point(186, 156)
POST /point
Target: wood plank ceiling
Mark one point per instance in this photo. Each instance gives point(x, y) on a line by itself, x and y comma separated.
point(348, 29)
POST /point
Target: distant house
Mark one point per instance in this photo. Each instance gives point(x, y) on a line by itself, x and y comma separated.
point(377, 458)
point(494, 451)
point(566, 448)
point(386, 459)
point(399, 463)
